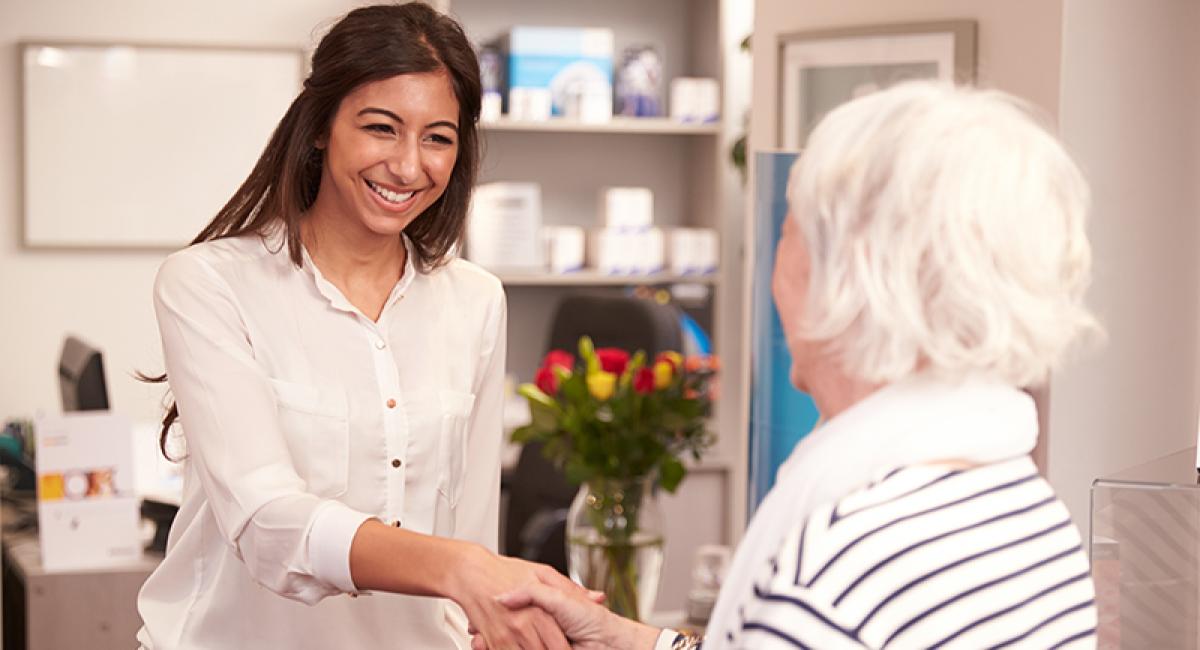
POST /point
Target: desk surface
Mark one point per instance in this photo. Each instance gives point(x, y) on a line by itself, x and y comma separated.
point(25, 553)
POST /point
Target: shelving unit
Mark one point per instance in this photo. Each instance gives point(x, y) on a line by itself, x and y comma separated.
point(594, 279)
point(688, 168)
point(646, 125)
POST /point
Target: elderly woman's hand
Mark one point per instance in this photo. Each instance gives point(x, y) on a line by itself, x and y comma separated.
point(587, 624)
point(484, 575)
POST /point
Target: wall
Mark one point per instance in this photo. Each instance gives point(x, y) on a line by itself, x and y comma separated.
point(1130, 113)
point(1018, 43)
point(102, 295)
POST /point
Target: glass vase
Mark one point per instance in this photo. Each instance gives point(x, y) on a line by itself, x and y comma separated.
point(615, 543)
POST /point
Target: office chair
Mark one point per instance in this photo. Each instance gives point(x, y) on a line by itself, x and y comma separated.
point(539, 495)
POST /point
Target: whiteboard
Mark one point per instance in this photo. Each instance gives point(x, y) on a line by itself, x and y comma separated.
point(139, 147)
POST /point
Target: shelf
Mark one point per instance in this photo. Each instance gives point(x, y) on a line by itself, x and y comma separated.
point(647, 125)
point(594, 279)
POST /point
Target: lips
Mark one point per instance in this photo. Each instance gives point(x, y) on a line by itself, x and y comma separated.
point(388, 195)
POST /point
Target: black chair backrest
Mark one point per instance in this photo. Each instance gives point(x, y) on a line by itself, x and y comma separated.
point(616, 320)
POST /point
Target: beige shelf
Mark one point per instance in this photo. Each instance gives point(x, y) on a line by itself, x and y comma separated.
point(594, 279)
point(647, 125)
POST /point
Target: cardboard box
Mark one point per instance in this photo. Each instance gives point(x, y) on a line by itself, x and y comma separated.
point(573, 65)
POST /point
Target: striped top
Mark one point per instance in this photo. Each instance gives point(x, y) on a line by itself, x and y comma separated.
point(929, 557)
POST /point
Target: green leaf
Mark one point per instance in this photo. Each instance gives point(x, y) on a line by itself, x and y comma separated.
point(536, 396)
point(587, 352)
point(671, 473)
point(527, 433)
point(544, 418)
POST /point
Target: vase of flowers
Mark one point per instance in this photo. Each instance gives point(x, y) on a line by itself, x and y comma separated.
point(619, 425)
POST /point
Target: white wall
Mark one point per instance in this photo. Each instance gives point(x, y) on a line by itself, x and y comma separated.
point(103, 295)
point(1018, 43)
point(1130, 113)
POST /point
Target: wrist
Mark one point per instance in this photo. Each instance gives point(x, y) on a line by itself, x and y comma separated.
point(464, 561)
point(632, 635)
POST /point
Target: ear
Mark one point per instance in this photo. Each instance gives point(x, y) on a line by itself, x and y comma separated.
point(321, 142)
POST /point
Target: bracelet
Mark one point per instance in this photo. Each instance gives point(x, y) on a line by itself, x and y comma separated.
point(684, 641)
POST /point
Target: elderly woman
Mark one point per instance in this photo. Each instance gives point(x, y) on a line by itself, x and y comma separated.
point(933, 264)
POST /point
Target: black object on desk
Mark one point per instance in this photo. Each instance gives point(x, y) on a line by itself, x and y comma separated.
point(81, 377)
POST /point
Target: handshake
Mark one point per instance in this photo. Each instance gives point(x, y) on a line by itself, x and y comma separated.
point(512, 604)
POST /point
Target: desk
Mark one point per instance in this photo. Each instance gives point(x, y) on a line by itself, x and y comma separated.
point(80, 609)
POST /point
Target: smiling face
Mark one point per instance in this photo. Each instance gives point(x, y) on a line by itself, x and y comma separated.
point(390, 152)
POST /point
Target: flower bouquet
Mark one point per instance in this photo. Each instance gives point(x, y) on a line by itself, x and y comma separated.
point(619, 424)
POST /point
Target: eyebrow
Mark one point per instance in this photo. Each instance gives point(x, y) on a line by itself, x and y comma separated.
point(391, 115)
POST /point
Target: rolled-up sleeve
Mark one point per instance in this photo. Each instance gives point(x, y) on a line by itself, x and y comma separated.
point(291, 541)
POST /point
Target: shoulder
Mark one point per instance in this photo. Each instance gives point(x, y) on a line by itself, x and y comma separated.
point(467, 285)
point(218, 263)
point(469, 277)
point(874, 565)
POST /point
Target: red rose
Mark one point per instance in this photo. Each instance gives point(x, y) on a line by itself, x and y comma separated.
point(643, 381)
point(564, 360)
point(613, 360)
point(546, 381)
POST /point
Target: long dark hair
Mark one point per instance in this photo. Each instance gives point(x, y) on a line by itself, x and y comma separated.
point(367, 44)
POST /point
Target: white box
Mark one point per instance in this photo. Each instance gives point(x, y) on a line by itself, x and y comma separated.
point(693, 251)
point(709, 245)
point(529, 104)
point(626, 208)
point(565, 248)
point(607, 251)
point(88, 515)
point(695, 99)
point(504, 230)
point(649, 255)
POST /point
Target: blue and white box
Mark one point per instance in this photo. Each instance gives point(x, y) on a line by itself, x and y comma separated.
point(572, 66)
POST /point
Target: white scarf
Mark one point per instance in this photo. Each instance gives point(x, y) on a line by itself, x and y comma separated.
point(914, 421)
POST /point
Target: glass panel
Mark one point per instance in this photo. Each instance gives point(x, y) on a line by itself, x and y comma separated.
point(1145, 554)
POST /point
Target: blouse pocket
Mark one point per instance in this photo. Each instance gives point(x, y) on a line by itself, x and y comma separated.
point(452, 443)
point(316, 426)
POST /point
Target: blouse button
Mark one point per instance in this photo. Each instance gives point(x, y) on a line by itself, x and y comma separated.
point(391, 403)
point(380, 344)
point(396, 462)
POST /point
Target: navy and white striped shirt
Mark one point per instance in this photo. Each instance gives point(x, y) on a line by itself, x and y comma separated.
point(929, 557)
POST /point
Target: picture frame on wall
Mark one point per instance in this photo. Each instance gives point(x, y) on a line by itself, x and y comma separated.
point(823, 69)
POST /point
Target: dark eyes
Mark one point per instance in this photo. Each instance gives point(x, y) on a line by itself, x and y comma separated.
point(386, 129)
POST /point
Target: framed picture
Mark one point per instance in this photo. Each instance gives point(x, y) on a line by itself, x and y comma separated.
point(820, 70)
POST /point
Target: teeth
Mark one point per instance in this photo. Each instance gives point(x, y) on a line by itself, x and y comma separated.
point(388, 195)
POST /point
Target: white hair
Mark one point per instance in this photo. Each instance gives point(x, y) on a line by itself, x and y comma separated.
point(945, 233)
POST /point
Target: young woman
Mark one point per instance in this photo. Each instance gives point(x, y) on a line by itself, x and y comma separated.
point(337, 374)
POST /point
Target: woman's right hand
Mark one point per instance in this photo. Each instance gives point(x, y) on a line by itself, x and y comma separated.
point(587, 624)
point(483, 576)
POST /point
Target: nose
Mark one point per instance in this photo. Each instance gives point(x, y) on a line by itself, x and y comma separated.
point(405, 161)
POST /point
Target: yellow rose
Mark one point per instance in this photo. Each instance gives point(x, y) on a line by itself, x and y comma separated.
point(601, 384)
point(663, 373)
point(673, 357)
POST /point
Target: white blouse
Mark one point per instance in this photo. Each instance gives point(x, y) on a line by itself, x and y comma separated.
point(302, 418)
